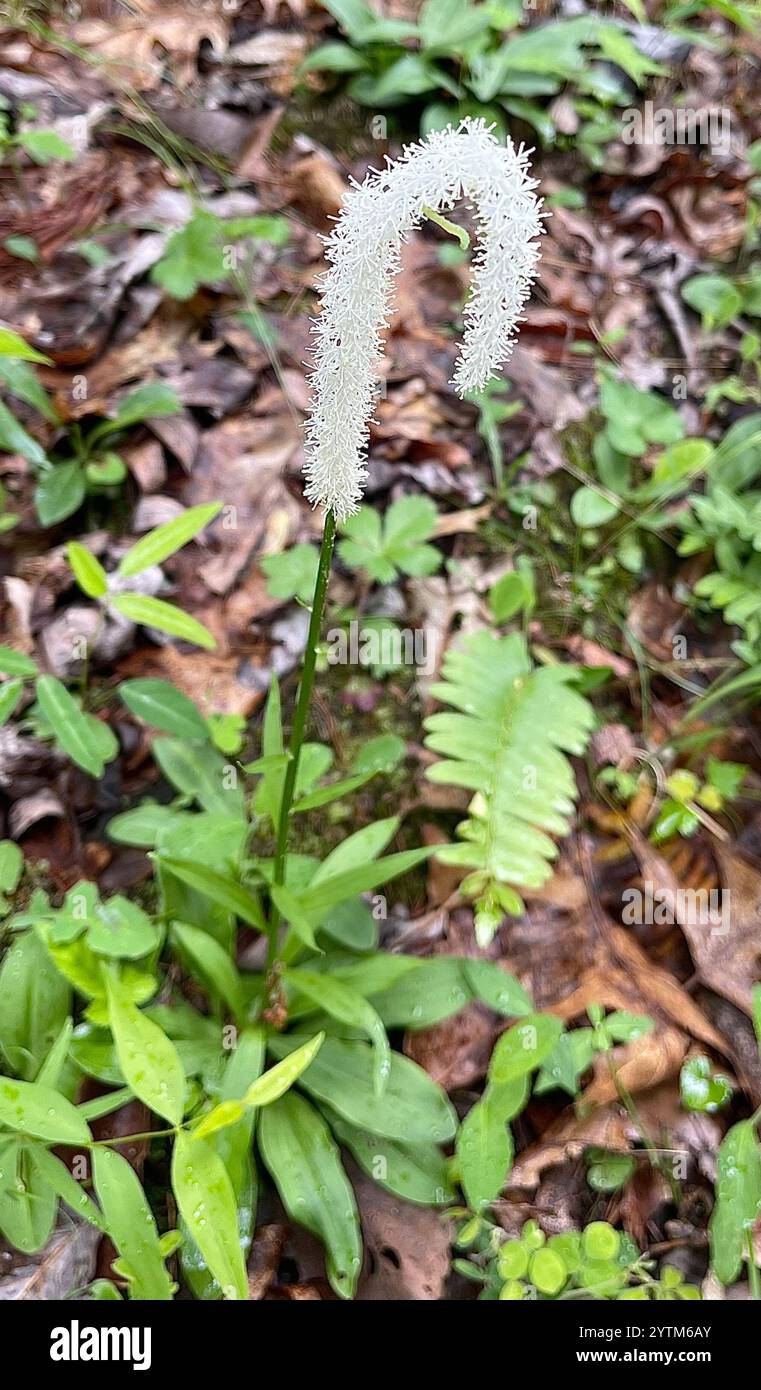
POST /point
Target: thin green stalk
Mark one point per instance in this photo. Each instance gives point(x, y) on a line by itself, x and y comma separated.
point(303, 700)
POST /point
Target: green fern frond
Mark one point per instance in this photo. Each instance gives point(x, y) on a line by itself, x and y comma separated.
point(506, 743)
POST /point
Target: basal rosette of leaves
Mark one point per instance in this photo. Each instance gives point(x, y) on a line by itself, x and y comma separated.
point(277, 1072)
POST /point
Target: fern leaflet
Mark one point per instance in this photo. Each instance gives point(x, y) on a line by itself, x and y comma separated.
point(507, 743)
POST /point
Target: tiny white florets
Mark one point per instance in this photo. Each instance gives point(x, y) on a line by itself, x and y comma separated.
point(356, 293)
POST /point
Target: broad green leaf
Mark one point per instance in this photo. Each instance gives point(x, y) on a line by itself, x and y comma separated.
point(60, 492)
point(130, 1224)
point(200, 772)
point(41, 1112)
point(165, 617)
point(87, 570)
point(165, 707)
point(14, 663)
point(28, 1203)
point(416, 1172)
point(292, 573)
point(398, 541)
point(57, 1175)
point(524, 1047)
point(22, 381)
point(162, 542)
point(231, 896)
point(413, 1109)
point(590, 507)
point(46, 145)
point(141, 826)
point(339, 1000)
point(484, 1153)
point(147, 1057)
point(304, 1163)
point(357, 849)
point(206, 1200)
point(738, 1199)
point(34, 1002)
point(351, 924)
point(433, 991)
point(497, 988)
point(69, 725)
point(14, 439)
point(148, 402)
point(214, 965)
point(714, 297)
point(121, 930)
point(193, 256)
point(11, 866)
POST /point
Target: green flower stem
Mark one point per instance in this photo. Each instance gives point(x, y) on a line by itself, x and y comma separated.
point(303, 700)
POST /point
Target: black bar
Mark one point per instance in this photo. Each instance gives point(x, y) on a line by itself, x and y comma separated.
point(562, 1337)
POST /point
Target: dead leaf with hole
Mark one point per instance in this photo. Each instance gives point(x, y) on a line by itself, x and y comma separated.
point(406, 1246)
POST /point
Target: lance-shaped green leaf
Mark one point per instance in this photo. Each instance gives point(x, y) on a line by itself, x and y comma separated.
point(41, 1111)
point(274, 1083)
point(214, 964)
point(148, 402)
point(497, 988)
point(87, 570)
point(344, 1003)
point(10, 694)
point(28, 1203)
point(229, 895)
point(415, 1172)
point(206, 1200)
point(165, 707)
point(413, 1109)
point(34, 1002)
point(71, 728)
point(130, 1224)
point(14, 439)
point(57, 1175)
point(165, 617)
point(738, 1199)
point(304, 1163)
point(162, 542)
point(484, 1153)
point(263, 1091)
point(148, 1059)
point(318, 898)
point(524, 1047)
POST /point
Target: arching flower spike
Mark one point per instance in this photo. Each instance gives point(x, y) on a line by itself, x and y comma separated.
point(365, 255)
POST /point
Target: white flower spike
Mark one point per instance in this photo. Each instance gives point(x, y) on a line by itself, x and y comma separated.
point(365, 255)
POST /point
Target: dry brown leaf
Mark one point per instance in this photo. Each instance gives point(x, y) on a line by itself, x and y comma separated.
point(406, 1246)
point(639, 1066)
point(66, 1264)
